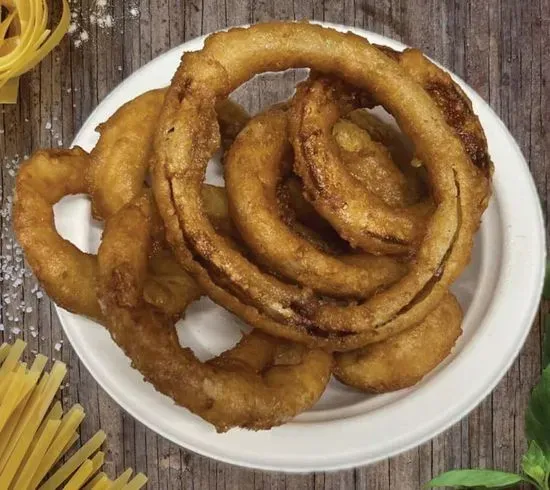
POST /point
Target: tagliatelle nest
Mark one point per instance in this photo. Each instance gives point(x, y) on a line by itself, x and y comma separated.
point(25, 40)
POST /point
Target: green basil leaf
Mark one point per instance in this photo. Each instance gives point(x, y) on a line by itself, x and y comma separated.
point(546, 288)
point(546, 343)
point(535, 465)
point(537, 417)
point(476, 479)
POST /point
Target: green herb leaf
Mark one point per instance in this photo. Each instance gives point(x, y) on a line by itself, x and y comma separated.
point(546, 343)
point(537, 418)
point(546, 289)
point(476, 479)
point(535, 465)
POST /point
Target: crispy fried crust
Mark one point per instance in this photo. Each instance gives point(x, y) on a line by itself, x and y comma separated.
point(187, 136)
point(68, 275)
point(253, 171)
point(260, 383)
point(120, 159)
point(404, 359)
point(357, 212)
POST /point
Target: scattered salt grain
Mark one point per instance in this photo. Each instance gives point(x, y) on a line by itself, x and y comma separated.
point(57, 346)
point(134, 12)
point(15, 330)
point(48, 125)
point(84, 36)
point(72, 28)
point(34, 334)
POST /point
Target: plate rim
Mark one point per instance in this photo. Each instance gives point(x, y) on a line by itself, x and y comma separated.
point(276, 465)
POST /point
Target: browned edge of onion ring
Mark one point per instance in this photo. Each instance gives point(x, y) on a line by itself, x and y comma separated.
point(68, 275)
point(188, 135)
point(404, 359)
point(260, 383)
point(253, 171)
point(356, 212)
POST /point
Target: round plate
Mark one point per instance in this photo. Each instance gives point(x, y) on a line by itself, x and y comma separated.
point(509, 258)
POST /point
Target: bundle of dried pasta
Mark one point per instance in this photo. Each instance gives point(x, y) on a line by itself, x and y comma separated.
point(35, 434)
point(25, 40)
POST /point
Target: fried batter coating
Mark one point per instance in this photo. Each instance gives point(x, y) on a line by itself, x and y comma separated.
point(371, 163)
point(68, 275)
point(400, 151)
point(187, 136)
point(260, 383)
point(404, 359)
point(253, 171)
point(120, 159)
point(362, 214)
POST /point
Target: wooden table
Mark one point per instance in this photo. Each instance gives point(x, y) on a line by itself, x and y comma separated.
point(500, 47)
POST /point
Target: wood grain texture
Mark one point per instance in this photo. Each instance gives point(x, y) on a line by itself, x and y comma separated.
point(500, 47)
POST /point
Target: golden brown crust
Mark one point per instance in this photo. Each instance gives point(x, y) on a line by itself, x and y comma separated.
point(250, 386)
point(187, 136)
point(69, 276)
point(253, 171)
point(120, 160)
point(358, 213)
point(404, 359)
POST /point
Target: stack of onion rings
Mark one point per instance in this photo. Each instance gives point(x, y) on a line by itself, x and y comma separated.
point(188, 135)
point(336, 238)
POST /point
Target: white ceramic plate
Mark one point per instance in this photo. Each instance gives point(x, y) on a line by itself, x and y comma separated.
point(499, 292)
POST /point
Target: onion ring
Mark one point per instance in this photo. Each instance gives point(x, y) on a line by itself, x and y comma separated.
point(253, 170)
point(404, 359)
point(260, 383)
point(69, 276)
point(120, 159)
point(188, 135)
point(356, 212)
point(358, 216)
